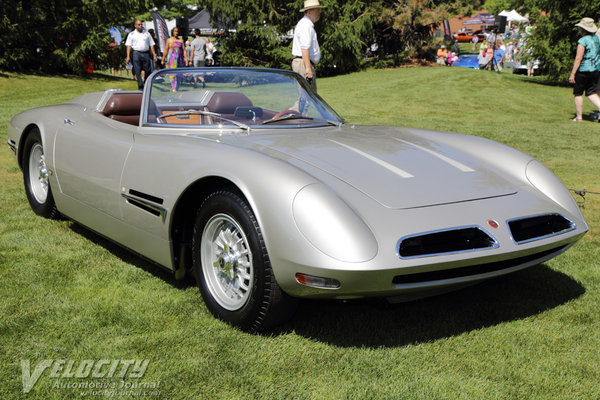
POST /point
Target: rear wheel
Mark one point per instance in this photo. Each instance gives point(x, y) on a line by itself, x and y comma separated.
point(232, 266)
point(36, 177)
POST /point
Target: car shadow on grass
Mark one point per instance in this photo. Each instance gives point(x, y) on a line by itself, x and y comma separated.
point(376, 323)
point(134, 259)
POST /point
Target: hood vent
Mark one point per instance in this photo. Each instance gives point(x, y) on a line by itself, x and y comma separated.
point(447, 241)
point(527, 229)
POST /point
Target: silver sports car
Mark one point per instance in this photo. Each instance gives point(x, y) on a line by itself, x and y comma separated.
point(248, 179)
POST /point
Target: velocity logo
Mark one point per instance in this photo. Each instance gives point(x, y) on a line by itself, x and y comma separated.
point(97, 369)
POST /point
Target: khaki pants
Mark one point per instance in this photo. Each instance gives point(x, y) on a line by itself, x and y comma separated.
point(298, 66)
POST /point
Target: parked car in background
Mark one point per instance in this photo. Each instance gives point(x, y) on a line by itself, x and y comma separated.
point(519, 68)
point(467, 36)
point(467, 61)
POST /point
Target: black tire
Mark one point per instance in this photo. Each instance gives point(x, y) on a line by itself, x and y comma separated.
point(36, 177)
point(234, 272)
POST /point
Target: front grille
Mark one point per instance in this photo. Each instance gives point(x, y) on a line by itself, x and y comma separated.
point(455, 240)
point(538, 227)
point(471, 270)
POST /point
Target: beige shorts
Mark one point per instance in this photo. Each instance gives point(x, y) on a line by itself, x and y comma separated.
point(298, 66)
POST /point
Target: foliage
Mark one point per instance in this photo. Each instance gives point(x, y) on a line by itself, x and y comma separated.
point(407, 26)
point(254, 45)
point(554, 40)
point(346, 30)
point(262, 33)
point(59, 35)
point(174, 9)
point(522, 6)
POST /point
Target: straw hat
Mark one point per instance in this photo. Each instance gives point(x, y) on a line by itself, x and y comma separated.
point(588, 25)
point(308, 4)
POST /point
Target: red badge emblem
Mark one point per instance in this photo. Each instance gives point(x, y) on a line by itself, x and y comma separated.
point(492, 223)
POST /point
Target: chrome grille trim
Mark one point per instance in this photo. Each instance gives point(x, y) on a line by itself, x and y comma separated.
point(569, 226)
point(492, 243)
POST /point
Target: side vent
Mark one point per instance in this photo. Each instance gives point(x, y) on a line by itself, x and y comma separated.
point(12, 145)
point(146, 202)
point(448, 241)
point(527, 229)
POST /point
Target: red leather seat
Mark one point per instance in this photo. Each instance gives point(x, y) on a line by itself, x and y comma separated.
point(124, 107)
point(227, 102)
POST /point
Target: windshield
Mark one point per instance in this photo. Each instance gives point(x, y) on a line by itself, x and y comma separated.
point(243, 97)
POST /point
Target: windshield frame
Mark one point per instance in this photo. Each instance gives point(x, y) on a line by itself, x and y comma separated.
point(325, 110)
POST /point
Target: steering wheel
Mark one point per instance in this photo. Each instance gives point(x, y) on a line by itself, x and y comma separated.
point(284, 112)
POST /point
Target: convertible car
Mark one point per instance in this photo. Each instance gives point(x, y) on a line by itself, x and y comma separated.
point(249, 180)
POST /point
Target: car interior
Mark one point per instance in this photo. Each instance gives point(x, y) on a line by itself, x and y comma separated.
point(126, 107)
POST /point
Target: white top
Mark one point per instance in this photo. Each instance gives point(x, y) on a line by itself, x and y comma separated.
point(139, 41)
point(305, 37)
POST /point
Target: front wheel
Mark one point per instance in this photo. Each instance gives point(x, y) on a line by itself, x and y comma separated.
point(232, 265)
point(36, 177)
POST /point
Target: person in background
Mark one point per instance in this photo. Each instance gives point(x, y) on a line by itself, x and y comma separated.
point(142, 45)
point(442, 55)
point(175, 55)
point(305, 46)
point(483, 59)
point(456, 46)
point(498, 58)
point(210, 49)
point(114, 59)
point(483, 46)
point(586, 67)
point(188, 52)
point(198, 55)
point(490, 53)
point(474, 42)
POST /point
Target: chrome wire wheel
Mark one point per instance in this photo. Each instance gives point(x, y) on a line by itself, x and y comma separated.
point(38, 174)
point(227, 262)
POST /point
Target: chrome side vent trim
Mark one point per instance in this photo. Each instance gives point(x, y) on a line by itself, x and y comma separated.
point(146, 196)
point(146, 202)
point(12, 145)
point(446, 241)
point(537, 227)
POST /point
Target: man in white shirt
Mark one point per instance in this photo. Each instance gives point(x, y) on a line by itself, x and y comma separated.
point(305, 47)
point(142, 45)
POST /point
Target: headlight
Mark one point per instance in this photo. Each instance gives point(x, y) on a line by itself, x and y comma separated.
point(331, 226)
point(546, 182)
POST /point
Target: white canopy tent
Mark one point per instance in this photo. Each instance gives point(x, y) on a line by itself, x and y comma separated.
point(514, 16)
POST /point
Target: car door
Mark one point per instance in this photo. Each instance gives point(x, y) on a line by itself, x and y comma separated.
point(90, 151)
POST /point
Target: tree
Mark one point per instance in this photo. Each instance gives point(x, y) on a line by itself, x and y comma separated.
point(57, 36)
point(554, 39)
point(522, 6)
point(406, 27)
point(346, 29)
point(262, 32)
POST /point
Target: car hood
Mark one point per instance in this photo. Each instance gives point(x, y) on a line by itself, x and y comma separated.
point(394, 166)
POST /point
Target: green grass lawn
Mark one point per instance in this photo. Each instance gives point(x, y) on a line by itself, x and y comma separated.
point(66, 294)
